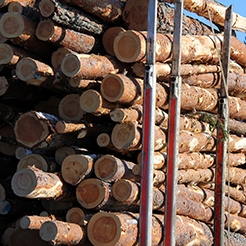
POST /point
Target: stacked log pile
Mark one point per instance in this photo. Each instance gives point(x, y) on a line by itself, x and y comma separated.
point(71, 94)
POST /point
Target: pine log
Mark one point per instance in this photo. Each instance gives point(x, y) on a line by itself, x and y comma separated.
point(57, 57)
point(32, 127)
point(103, 140)
point(45, 164)
point(76, 215)
point(108, 11)
point(32, 182)
point(236, 143)
point(110, 168)
point(60, 36)
point(127, 136)
point(22, 2)
point(15, 7)
point(33, 222)
point(2, 192)
point(77, 167)
point(76, 18)
point(80, 83)
point(91, 101)
point(124, 230)
point(108, 38)
point(135, 17)
point(69, 108)
point(59, 232)
point(89, 66)
point(64, 127)
point(217, 12)
point(22, 33)
point(62, 153)
point(130, 46)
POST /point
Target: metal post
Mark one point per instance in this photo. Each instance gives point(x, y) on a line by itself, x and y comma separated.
point(146, 198)
point(221, 152)
point(173, 130)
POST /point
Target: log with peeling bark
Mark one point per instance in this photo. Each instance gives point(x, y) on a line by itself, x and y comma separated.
point(77, 167)
point(32, 182)
point(33, 222)
point(130, 46)
point(110, 168)
point(124, 229)
point(24, 33)
point(89, 66)
point(60, 36)
point(135, 17)
point(217, 12)
point(76, 19)
point(60, 232)
point(64, 127)
point(108, 11)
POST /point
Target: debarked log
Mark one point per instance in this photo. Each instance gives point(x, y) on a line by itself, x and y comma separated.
point(76, 19)
point(79, 42)
point(32, 182)
point(124, 229)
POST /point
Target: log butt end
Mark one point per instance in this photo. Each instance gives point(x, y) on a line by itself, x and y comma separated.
point(46, 8)
point(6, 54)
point(70, 65)
point(104, 229)
point(45, 30)
point(26, 69)
point(90, 101)
point(12, 24)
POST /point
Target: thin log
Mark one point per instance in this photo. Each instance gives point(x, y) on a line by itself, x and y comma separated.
point(110, 168)
point(32, 182)
point(64, 127)
point(216, 11)
point(32, 127)
point(135, 17)
point(76, 215)
point(103, 140)
point(127, 136)
point(76, 18)
point(62, 36)
point(89, 66)
point(57, 57)
point(43, 163)
point(91, 101)
point(108, 11)
point(15, 7)
point(77, 167)
point(23, 33)
point(59, 232)
point(62, 153)
point(33, 222)
point(130, 46)
point(69, 108)
point(80, 83)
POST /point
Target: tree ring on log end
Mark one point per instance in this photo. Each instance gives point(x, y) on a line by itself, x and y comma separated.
point(6, 54)
point(129, 46)
point(49, 231)
point(26, 69)
point(103, 229)
point(109, 168)
point(45, 30)
point(90, 101)
point(91, 193)
point(70, 65)
point(46, 8)
point(12, 25)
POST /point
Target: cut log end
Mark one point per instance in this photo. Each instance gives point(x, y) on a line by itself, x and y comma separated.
point(6, 54)
point(62, 153)
point(103, 140)
point(12, 25)
point(15, 7)
point(70, 65)
point(103, 229)
point(46, 8)
point(90, 193)
point(4, 84)
point(57, 57)
point(25, 69)
point(129, 46)
point(75, 215)
point(45, 30)
point(90, 101)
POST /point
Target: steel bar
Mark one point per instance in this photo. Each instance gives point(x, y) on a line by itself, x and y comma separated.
point(145, 229)
point(222, 126)
point(173, 130)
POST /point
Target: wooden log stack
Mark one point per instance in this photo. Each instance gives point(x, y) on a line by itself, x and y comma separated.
point(71, 113)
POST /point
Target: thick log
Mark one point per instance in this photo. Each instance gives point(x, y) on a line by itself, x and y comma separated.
point(110, 168)
point(59, 232)
point(32, 182)
point(130, 46)
point(69, 108)
point(217, 12)
point(124, 229)
point(135, 17)
point(77, 167)
point(127, 136)
point(62, 36)
point(45, 164)
point(32, 127)
point(108, 11)
point(23, 33)
point(33, 222)
point(89, 66)
point(76, 18)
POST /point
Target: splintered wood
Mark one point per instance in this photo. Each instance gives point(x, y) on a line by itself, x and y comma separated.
point(72, 76)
